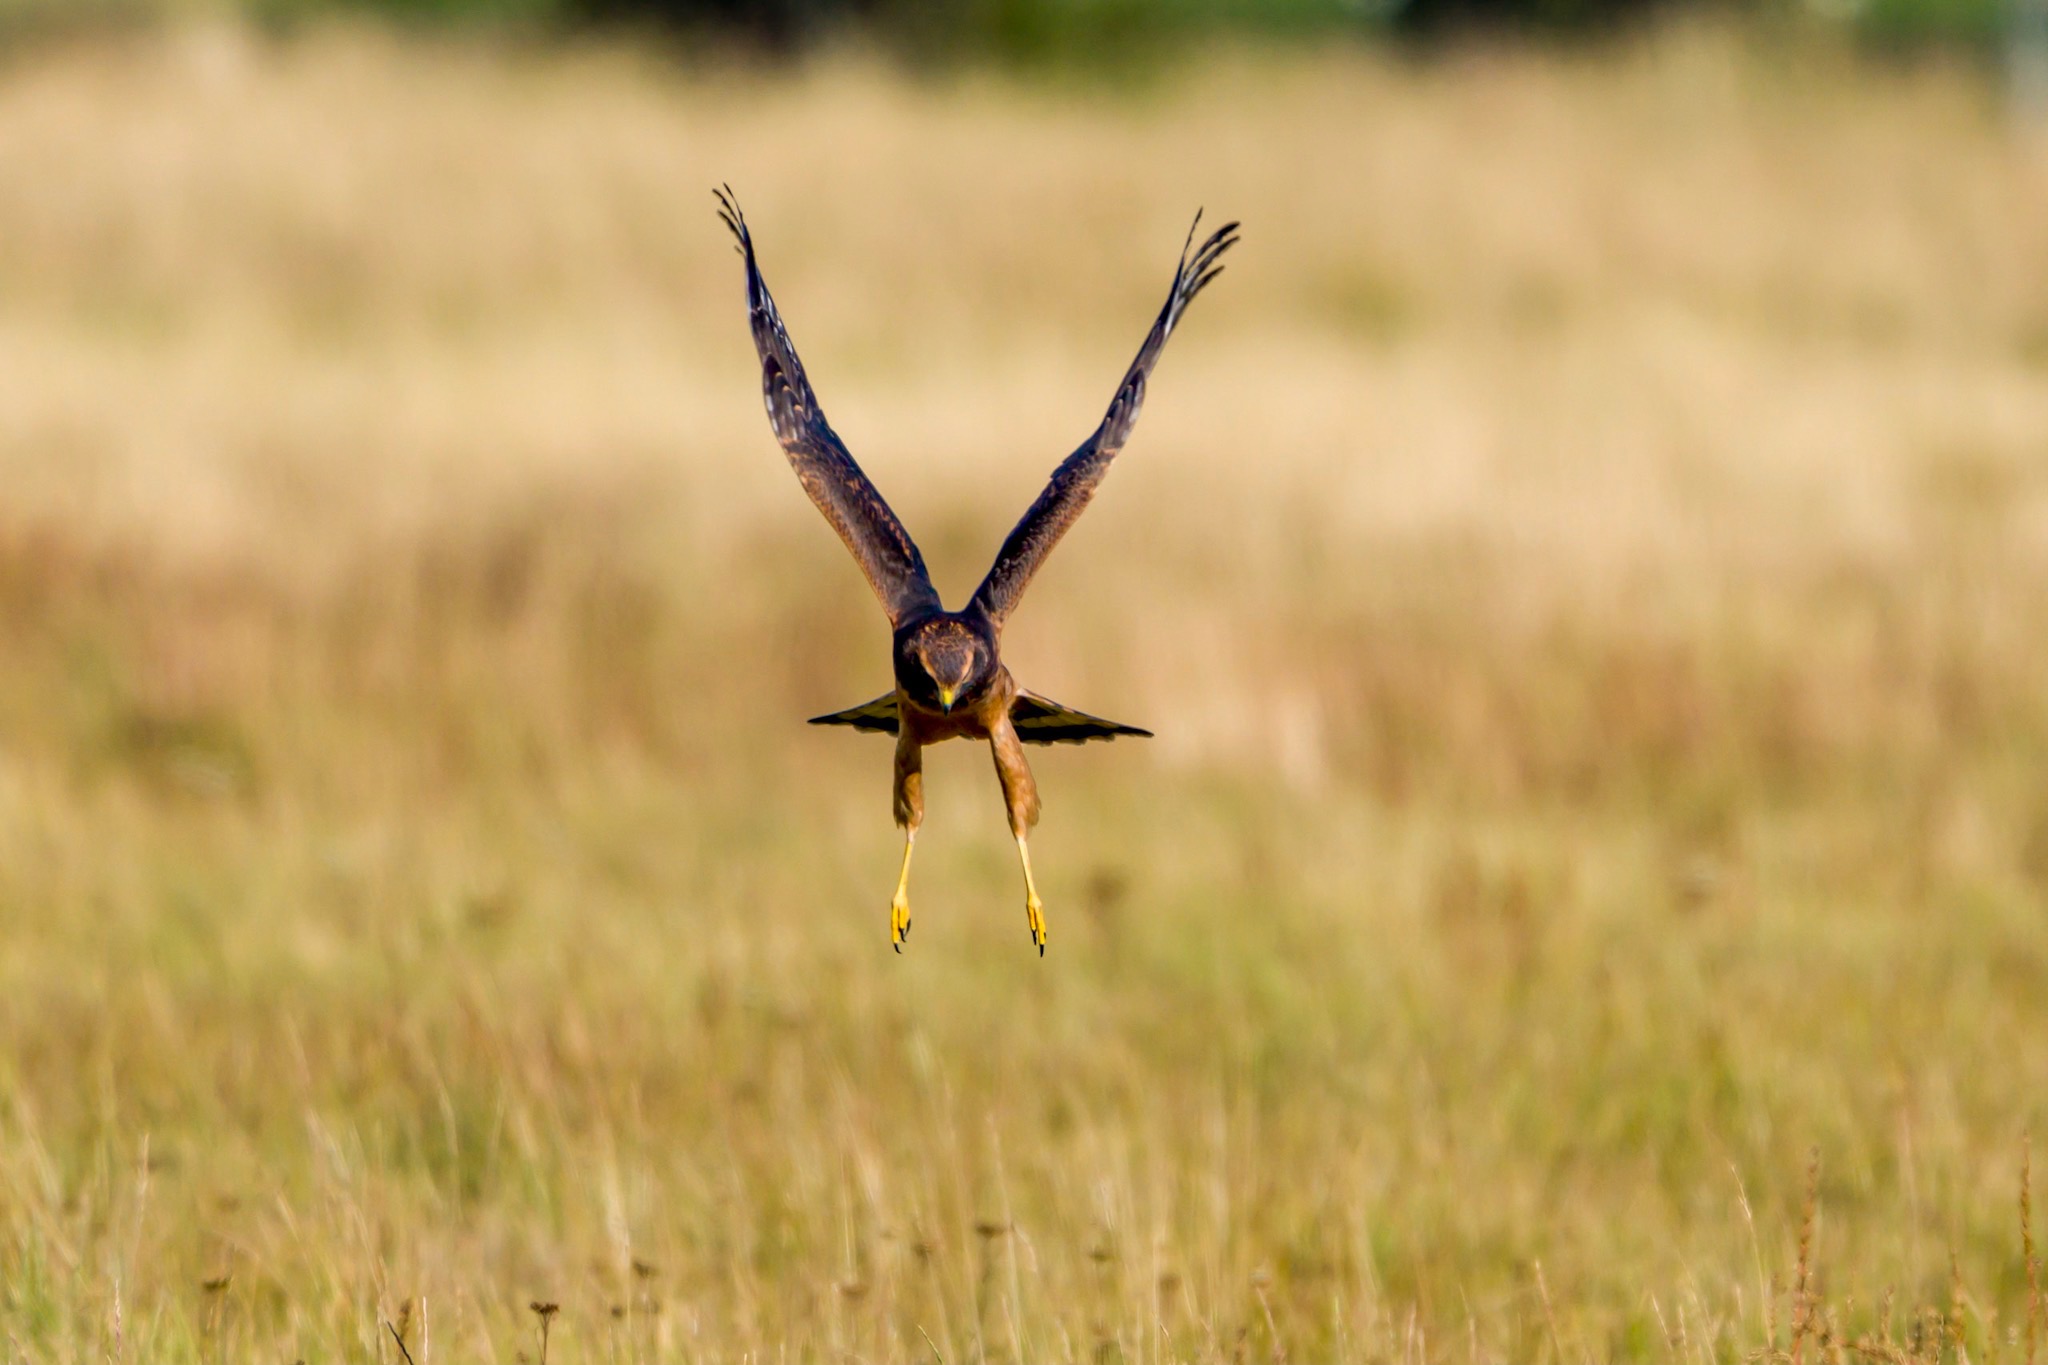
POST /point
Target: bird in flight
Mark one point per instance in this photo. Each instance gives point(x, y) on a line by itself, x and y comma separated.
point(950, 678)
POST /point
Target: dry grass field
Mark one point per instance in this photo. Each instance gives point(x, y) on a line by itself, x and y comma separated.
point(1586, 562)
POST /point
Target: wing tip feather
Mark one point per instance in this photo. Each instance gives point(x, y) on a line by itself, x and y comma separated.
point(735, 220)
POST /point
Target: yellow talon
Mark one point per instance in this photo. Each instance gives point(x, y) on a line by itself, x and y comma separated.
point(1034, 909)
point(899, 905)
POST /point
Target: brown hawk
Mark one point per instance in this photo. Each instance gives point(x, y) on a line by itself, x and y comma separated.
point(950, 679)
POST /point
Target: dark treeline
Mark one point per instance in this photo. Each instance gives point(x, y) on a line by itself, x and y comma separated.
point(1090, 31)
point(1084, 27)
point(1030, 25)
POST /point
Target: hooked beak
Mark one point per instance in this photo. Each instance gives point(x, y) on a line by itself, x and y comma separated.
point(945, 698)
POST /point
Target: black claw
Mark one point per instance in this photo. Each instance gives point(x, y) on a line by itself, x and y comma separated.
point(898, 945)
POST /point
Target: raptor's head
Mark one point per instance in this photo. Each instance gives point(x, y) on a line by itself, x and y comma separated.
point(943, 664)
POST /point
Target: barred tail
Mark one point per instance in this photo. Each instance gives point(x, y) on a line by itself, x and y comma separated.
point(877, 716)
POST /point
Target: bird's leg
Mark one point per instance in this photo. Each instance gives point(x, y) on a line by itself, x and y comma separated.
point(909, 814)
point(1020, 794)
point(899, 905)
point(1034, 909)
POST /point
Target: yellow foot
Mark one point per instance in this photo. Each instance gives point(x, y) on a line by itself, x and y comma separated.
point(899, 921)
point(1034, 913)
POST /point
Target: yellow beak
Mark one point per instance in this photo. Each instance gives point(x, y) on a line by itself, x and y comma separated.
point(946, 698)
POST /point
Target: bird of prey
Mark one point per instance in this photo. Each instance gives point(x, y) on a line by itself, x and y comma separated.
point(950, 679)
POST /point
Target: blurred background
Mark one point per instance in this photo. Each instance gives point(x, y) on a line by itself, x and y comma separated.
point(1108, 33)
point(1585, 563)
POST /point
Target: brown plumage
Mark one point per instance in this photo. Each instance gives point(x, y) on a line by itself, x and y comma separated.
point(950, 679)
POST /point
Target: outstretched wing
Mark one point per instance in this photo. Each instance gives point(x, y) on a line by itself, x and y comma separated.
point(1041, 720)
point(887, 554)
point(1073, 483)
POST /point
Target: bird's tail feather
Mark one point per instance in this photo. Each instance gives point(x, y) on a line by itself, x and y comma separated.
point(1039, 720)
point(878, 715)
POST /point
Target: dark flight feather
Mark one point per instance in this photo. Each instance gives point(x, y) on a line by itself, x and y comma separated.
point(1074, 482)
point(849, 500)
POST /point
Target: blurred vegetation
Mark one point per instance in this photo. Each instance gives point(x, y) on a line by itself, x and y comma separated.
point(1069, 32)
point(1584, 565)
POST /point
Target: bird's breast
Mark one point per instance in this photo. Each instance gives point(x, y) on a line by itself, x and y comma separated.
point(929, 726)
point(972, 718)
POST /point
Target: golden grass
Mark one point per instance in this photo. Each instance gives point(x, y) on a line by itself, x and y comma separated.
point(1586, 564)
